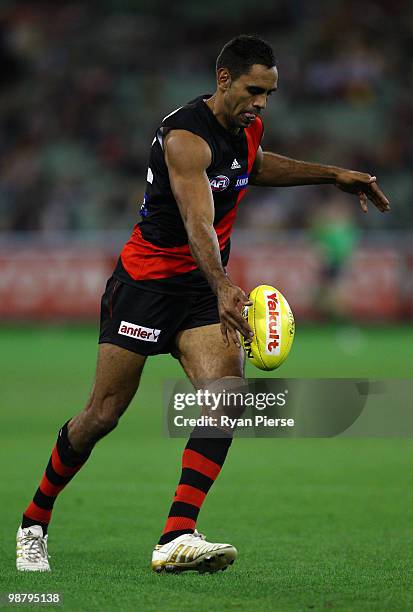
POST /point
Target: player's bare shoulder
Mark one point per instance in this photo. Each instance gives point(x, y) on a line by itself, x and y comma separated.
point(186, 150)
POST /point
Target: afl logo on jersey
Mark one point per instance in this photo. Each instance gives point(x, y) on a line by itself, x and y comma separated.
point(219, 183)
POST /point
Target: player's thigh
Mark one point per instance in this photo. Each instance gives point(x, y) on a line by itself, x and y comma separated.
point(135, 324)
point(205, 357)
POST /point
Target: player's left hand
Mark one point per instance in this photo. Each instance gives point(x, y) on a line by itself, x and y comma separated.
point(365, 186)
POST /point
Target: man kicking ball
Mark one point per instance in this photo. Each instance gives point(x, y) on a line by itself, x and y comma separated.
point(169, 293)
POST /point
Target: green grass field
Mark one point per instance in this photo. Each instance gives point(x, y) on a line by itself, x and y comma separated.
point(319, 523)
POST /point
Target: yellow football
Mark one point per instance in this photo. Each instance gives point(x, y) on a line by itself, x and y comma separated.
point(272, 322)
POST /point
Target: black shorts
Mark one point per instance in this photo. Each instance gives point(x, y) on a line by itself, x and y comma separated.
point(146, 322)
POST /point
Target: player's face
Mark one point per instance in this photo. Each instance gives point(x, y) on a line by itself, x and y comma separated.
point(247, 96)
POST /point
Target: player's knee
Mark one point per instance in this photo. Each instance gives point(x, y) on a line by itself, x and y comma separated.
point(229, 395)
point(106, 412)
point(105, 422)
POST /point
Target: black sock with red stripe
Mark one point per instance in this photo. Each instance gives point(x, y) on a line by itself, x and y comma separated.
point(202, 461)
point(63, 464)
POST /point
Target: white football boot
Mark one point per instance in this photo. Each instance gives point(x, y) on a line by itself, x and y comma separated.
point(31, 550)
point(191, 551)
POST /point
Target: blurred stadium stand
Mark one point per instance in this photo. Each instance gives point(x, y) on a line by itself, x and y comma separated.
point(83, 87)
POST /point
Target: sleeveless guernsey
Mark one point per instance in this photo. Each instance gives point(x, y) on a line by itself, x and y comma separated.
point(157, 255)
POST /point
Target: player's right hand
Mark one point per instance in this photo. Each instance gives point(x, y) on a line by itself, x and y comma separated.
point(365, 186)
point(231, 300)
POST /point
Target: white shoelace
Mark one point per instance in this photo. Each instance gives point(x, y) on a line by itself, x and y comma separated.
point(34, 548)
point(196, 534)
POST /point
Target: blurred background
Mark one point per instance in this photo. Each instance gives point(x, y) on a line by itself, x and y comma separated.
point(84, 86)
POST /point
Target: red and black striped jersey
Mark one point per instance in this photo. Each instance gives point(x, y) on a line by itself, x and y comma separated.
point(158, 247)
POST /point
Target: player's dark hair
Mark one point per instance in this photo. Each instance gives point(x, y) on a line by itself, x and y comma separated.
point(242, 52)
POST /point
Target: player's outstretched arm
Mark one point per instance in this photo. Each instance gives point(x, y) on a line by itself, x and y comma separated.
point(187, 157)
point(272, 170)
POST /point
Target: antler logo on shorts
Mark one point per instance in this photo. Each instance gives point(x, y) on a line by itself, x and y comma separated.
point(138, 332)
point(273, 344)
